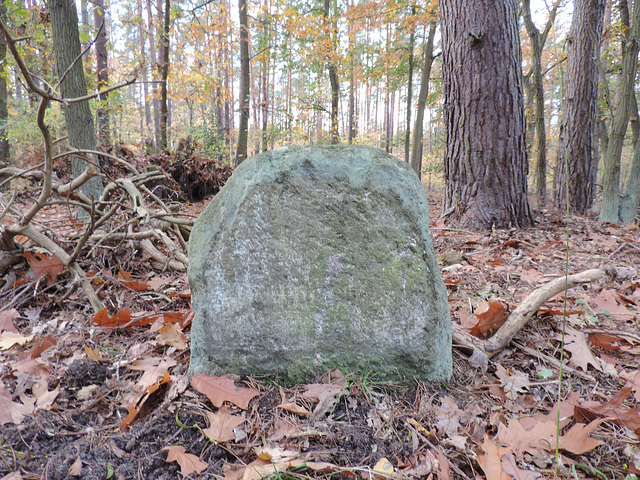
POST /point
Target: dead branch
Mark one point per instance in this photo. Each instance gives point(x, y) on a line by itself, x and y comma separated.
point(530, 305)
point(521, 315)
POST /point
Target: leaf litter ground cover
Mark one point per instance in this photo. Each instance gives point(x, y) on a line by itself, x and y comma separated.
point(106, 396)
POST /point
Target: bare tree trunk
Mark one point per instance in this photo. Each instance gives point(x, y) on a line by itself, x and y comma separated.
point(145, 75)
point(245, 81)
point(164, 85)
point(610, 210)
point(80, 126)
point(4, 94)
point(153, 55)
point(538, 40)
point(407, 139)
point(333, 74)
point(577, 132)
point(427, 62)
point(485, 163)
point(102, 69)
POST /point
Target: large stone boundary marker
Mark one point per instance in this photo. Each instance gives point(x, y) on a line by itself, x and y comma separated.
point(318, 257)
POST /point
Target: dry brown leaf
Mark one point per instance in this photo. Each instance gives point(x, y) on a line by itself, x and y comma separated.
point(9, 339)
point(513, 382)
point(223, 389)
point(75, 468)
point(6, 320)
point(577, 439)
point(126, 279)
point(155, 369)
point(581, 356)
point(42, 265)
point(172, 336)
point(490, 320)
point(281, 429)
point(490, 461)
point(295, 408)
point(188, 463)
point(510, 467)
point(222, 425)
point(275, 454)
point(607, 302)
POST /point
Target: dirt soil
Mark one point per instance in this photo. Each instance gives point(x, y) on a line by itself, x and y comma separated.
point(94, 417)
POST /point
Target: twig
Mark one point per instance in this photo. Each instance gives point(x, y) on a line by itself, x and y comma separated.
point(554, 362)
point(530, 305)
point(615, 333)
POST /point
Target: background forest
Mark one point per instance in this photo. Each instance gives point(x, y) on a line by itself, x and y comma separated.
point(319, 72)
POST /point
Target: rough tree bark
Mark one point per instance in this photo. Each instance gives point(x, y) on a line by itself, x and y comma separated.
point(485, 164)
point(102, 70)
point(333, 73)
point(164, 85)
point(578, 129)
point(407, 137)
point(155, 79)
point(245, 82)
point(610, 210)
point(80, 126)
point(416, 151)
point(4, 113)
point(538, 40)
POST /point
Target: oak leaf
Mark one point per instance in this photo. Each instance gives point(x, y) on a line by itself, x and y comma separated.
point(223, 389)
point(44, 265)
point(6, 320)
point(188, 462)
point(581, 356)
point(222, 425)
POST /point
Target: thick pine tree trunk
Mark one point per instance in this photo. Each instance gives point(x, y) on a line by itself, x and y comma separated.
point(577, 132)
point(80, 126)
point(485, 156)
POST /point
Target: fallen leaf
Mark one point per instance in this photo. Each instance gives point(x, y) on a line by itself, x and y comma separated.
point(126, 279)
point(577, 439)
point(513, 383)
point(221, 389)
point(222, 425)
point(490, 320)
point(490, 461)
point(6, 320)
point(155, 368)
point(75, 468)
point(607, 302)
point(510, 467)
point(281, 429)
point(188, 463)
point(44, 265)
point(172, 336)
point(275, 454)
point(119, 320)
point(383, 466)
point(294, 408)
point(9, 339)
point(581, 356)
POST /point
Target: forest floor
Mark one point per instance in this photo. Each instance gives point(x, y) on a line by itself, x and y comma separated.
point(81, 400)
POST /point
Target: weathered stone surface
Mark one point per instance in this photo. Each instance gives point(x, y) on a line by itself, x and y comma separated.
point(313, 257)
